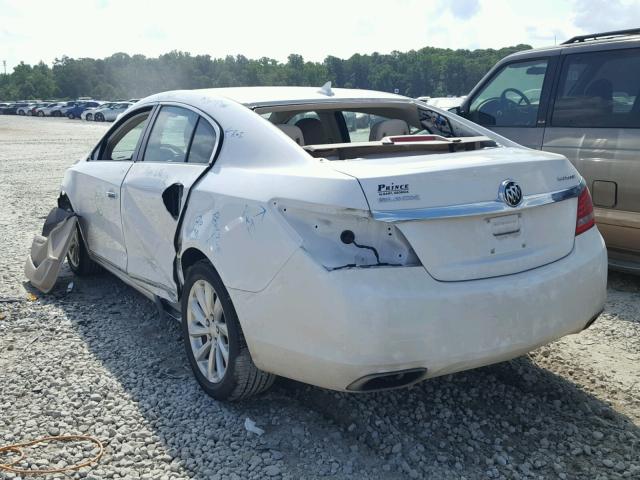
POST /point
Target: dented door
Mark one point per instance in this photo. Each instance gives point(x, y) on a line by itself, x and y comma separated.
point(155, 192)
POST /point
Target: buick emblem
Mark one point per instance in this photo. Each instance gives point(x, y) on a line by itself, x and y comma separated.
point(510, 193)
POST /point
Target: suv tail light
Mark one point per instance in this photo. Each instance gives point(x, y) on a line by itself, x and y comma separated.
point(585, 219)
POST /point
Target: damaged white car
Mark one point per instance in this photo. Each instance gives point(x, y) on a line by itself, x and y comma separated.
point(349, 239)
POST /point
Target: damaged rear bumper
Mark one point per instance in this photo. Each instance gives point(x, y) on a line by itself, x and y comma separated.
point(332, 329)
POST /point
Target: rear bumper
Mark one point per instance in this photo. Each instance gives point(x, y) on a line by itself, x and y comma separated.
point(332, 328)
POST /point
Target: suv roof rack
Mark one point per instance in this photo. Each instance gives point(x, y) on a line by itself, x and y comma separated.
point(603, 35)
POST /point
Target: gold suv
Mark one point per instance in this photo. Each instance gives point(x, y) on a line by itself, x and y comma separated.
point(580, 99)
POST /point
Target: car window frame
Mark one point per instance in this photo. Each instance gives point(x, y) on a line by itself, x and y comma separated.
point(201, 115)
point(547, 89)
point(558, 76)
point(99, 148)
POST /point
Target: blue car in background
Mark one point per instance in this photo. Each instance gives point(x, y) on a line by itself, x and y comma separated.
point(76, 111)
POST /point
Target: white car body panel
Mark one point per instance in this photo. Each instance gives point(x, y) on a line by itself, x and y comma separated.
point(149, 229)
point(95, 190)
point(268, 217)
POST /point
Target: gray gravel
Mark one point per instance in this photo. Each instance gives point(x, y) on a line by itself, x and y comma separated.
point(97, 360)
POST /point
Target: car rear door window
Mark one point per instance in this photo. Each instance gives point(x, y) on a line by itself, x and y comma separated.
point(599, 89)
point(512, 97)
point(171, 134)
point(204, 140)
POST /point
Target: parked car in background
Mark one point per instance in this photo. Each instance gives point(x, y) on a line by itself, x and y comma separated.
point(423, 246)
point(77, 110)
point(580, 99)
point(12, 108)
point(88, 113)
point(61, 109)
point(25, 109)
point(46, 110)
point(133, 100)
point(109, 114)
point(34, 108)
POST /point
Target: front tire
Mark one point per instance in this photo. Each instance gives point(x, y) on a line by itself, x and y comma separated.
point(78, 257)
point(98, 117)
point(88, 117)
point(213, 338)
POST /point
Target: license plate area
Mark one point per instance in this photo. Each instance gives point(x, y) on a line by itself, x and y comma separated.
point(505, 225)
point(505, 234)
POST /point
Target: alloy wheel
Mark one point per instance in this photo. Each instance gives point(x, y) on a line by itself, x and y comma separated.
point(208, 333)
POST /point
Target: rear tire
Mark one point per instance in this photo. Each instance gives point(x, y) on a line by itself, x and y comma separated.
point(41, 114)
point(209, 318)
point(70, 116)
point(78, 257)
point(88, 117)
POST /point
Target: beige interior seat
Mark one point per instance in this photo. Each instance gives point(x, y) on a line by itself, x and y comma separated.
point(388, 128)
point(312, 131)
point(292, 131)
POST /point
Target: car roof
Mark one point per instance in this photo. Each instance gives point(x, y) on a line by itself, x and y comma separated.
point(256, 96)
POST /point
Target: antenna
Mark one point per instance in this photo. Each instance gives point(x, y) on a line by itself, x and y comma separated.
point(4, 64)
point(326, 90)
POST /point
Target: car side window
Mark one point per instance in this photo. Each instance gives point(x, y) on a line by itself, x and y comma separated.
point(203, 143)
point(512, 97)
point(171, 134)
point(599, 90)
point(121, 144)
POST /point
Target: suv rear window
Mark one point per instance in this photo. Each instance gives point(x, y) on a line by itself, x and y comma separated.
point(599, 89)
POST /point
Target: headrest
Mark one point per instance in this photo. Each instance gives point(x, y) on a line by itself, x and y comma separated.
point(388, 128)
point(312, 131)
point(292, 131)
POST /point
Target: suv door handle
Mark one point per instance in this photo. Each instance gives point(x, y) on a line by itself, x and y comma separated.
point(112, 194)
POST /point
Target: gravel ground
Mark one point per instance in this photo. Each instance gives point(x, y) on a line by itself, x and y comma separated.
point(98, 361)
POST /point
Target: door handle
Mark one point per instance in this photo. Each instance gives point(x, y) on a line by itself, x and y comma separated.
point(112, 194)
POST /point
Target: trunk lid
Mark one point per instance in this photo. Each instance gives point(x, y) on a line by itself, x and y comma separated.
point(476, 245)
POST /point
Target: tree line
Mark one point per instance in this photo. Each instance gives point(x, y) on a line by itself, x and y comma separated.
point(429, 71)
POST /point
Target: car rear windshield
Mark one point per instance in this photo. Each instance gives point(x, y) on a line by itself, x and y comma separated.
point(370, 126)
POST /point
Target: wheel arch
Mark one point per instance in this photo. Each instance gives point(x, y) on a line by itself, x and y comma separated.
point(187, 259)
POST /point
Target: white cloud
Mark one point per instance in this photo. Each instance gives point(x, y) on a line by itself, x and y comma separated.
point(606, 15)
point(463, 9)
point(33, 30)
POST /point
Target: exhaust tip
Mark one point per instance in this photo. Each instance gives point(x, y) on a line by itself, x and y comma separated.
point(387, 380)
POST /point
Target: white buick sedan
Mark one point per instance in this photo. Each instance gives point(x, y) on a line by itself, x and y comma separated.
point(349, 239)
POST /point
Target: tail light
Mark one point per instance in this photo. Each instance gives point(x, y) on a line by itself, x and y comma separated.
point(585, 219)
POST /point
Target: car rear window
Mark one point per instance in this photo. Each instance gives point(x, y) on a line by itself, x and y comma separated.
point(204, 140)
point(599, 90)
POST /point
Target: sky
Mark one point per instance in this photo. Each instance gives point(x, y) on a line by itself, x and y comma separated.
point(35, 30)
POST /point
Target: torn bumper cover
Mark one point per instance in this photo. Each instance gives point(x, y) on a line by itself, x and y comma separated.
point(49, 249)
